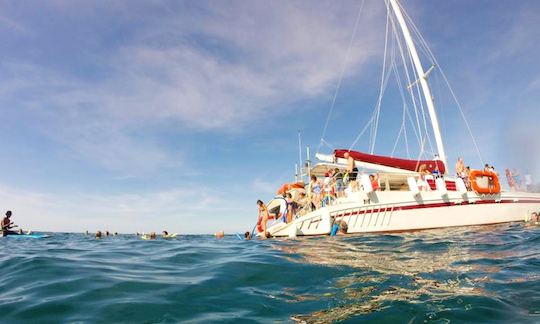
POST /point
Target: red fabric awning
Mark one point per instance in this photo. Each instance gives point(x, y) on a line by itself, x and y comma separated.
point(404, 164)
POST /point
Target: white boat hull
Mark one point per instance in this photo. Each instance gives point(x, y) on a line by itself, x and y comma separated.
point(401, 211)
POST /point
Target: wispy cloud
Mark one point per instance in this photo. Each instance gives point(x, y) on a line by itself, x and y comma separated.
point(201, 68)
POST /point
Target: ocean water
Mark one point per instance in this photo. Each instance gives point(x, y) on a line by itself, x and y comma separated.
point(483, 275)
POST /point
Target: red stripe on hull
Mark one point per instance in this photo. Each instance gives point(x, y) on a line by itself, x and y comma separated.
point(437, 205)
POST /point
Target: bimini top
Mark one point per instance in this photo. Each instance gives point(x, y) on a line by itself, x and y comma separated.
point(404, 164)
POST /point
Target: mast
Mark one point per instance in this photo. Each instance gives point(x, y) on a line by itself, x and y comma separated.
point(422, 78)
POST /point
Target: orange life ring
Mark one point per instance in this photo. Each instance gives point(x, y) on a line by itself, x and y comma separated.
point(493, 182)
point(288, 186)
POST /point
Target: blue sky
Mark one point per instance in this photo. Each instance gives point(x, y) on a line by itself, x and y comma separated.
point(179, 115)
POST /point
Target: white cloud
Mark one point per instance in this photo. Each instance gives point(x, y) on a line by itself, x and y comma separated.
point(186, 210)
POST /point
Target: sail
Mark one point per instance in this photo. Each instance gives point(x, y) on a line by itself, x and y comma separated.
point(404, 164)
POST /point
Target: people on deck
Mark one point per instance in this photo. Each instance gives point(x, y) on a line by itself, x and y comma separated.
point(466, 179)
point(374, 179)
point(165, 233)
point(263, 215)
point(291, 207)
point(339, 186)
point(352, 170)
point(460, 168)
point(304, 204)
point(327, 189)
point(510, 180)
point(315, 189)
point(491, 181)
point(282, 209)
point(422, 183)
point(247, 236)
point(7, 225)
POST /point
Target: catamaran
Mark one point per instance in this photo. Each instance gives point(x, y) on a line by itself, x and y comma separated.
point(401, 203)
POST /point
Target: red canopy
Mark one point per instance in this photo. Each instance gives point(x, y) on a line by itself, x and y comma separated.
point(404, 164)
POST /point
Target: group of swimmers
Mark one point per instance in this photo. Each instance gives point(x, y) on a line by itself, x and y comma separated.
point(151, 236)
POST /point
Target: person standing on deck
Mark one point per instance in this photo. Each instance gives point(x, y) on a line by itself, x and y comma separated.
point(352, 170)
point(263, 215)
point(510, 179)
point(460, 168)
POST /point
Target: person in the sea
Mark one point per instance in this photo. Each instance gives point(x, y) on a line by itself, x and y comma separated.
point(247, 236)
point(7, 225)
point(98, 234)
point(153, 235)
point(352, 170)
point(219, 235)
point(343, 228)
point(340, 227)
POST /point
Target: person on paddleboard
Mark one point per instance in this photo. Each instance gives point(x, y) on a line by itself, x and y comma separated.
point(7, 225)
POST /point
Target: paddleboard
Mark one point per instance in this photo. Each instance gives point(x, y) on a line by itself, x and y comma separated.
point(24, 236)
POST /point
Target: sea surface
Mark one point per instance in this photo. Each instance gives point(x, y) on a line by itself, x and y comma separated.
point(484, 274)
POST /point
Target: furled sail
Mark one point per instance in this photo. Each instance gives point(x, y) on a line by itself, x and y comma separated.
point(404, 164)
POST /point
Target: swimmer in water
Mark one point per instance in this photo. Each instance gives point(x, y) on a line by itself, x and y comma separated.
point(98, 234)
point(219, 235)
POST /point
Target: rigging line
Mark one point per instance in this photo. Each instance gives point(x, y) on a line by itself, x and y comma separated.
point(331, 146)
point(422, 108)
point(403, 126)
point(381, 91)
point(338, 86)
point(407, 75)
point(377, 110)
point(460, 108)
point(361, 133)
point(406, 141)
point(405, 113)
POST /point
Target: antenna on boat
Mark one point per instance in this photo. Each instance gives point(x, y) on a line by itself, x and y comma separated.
point(422, 78)
point(300, 172)
point(308, 164)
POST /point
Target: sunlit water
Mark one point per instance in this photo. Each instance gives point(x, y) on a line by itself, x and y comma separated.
point(481, 274)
